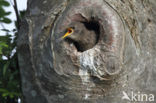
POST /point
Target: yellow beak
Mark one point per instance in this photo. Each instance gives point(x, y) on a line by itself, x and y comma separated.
point(65, 35)
point(69, 32)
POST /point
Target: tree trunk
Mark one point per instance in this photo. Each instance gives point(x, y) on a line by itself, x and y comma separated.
point(109, 55)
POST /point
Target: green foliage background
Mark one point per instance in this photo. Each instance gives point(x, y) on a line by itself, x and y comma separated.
point(10, 88)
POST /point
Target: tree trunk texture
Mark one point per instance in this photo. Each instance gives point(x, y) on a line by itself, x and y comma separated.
point(110, 52)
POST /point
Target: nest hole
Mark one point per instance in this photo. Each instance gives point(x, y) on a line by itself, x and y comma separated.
point(94, 26)
point(75, 43)
point(91, 25)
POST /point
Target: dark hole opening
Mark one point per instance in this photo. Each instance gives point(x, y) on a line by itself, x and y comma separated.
point(94, 26)
point(91, 25)
point(76, 44)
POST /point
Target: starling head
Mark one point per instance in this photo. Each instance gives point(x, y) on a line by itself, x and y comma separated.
point(74, 31)
point(69, 32)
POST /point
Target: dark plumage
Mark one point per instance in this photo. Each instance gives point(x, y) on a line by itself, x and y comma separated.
point(82, 37)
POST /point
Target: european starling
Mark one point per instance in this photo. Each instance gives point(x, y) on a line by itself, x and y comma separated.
point(83, 36)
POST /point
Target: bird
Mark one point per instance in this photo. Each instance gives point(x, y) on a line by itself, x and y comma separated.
point(83, 35)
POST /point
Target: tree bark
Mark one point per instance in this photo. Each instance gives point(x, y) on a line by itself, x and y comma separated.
point(121, 60)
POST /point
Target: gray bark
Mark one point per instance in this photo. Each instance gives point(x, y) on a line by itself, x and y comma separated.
point(55, 70)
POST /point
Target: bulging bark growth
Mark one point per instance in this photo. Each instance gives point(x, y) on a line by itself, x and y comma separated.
point(106, 53)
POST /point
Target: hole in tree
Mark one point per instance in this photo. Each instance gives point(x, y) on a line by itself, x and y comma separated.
point(76, 44)
point(91, 25)
point(94, 26)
